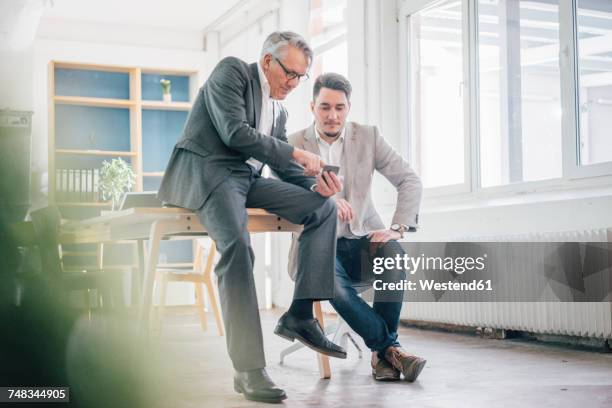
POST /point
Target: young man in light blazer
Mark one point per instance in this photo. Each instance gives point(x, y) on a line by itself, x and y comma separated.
point(359, 150)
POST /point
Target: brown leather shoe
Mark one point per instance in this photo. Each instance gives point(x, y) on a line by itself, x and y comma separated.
point(409, 365)
point(382, 370)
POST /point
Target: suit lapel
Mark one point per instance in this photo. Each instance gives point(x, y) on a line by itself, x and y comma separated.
point(350, 156)
point(256, 87)
point(310, 141)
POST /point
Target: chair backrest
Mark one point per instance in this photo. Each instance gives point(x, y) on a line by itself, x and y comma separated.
point(18, 251)
point(46, 222)
point(14, 239)
point(205, 263)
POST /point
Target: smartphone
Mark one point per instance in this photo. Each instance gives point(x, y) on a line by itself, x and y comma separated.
point(331, 169)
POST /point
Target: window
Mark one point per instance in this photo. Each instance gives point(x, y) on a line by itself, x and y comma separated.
point(520, 91)
point(594, 21)
point(505, 92)
point(437, 113)
point(328, 37)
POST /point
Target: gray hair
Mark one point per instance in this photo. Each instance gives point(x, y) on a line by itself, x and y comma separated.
point(332, 81)
point(278, 41)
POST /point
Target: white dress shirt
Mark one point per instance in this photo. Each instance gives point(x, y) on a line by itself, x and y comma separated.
point(269, 113)
point(333, 154)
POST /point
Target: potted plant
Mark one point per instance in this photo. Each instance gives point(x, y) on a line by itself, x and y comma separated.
point(165, 84)
point(116, 177)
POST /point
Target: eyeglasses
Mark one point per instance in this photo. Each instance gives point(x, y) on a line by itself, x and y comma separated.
point(291, 75)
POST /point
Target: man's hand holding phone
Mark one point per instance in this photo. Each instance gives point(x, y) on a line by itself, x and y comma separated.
point(328, 184)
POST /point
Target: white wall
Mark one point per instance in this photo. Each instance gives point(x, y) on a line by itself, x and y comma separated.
point(16, 80)
point(24, 74)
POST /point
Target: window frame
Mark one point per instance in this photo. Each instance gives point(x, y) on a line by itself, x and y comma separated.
point(568, 17)
point(574, 175)
point(408, 127)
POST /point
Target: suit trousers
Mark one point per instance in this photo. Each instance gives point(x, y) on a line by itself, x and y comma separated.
point(225, 218)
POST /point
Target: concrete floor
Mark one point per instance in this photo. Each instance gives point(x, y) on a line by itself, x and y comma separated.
point(461, 371)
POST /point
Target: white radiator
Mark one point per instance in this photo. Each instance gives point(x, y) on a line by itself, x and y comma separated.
point(584, 319)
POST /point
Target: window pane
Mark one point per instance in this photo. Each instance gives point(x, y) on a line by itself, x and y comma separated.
point(437, 101)
point(328, 37)
point(327, 21)
point(595, 68)
point(520, 88)
point(333, 60)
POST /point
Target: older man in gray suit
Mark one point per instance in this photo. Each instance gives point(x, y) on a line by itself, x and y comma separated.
point(360, 150)
point(236, 126)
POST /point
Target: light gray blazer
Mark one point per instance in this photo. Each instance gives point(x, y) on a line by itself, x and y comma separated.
point(365, 151)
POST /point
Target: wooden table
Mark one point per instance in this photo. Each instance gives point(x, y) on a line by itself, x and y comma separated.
point(154, 224)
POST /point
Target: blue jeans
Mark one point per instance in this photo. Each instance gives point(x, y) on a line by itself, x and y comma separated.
point(377, 325)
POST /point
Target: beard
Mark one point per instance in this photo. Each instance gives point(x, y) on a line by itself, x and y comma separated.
point(333, 135)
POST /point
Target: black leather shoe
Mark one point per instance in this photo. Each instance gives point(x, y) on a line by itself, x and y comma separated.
point(255, 385)
point(309, 332)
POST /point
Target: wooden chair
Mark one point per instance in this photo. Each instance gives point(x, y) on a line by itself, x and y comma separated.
point(109, 286)
point(200, 275)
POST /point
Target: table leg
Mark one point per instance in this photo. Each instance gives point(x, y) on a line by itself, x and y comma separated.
point(157, 232)
point(324, 368)
point(149, 279)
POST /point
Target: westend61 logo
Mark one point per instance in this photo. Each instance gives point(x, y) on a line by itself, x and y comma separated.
point(459, 264)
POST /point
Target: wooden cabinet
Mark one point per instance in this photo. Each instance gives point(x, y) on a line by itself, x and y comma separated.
point(100, 112)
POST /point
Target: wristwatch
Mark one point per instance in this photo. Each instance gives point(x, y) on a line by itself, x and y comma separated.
point(399, 228)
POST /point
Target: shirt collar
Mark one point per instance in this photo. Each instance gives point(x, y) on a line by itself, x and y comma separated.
point(340, 139)
point(265, 85)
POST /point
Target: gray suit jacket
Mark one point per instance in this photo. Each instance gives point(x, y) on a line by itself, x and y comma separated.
point(365, 151)
point(221, 134)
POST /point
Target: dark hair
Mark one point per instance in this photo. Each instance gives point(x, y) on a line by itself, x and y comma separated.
point(332, 81)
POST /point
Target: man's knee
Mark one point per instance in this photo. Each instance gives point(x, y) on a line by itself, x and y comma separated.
point(322, 212)
point(240, 246)
point(328, 208)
